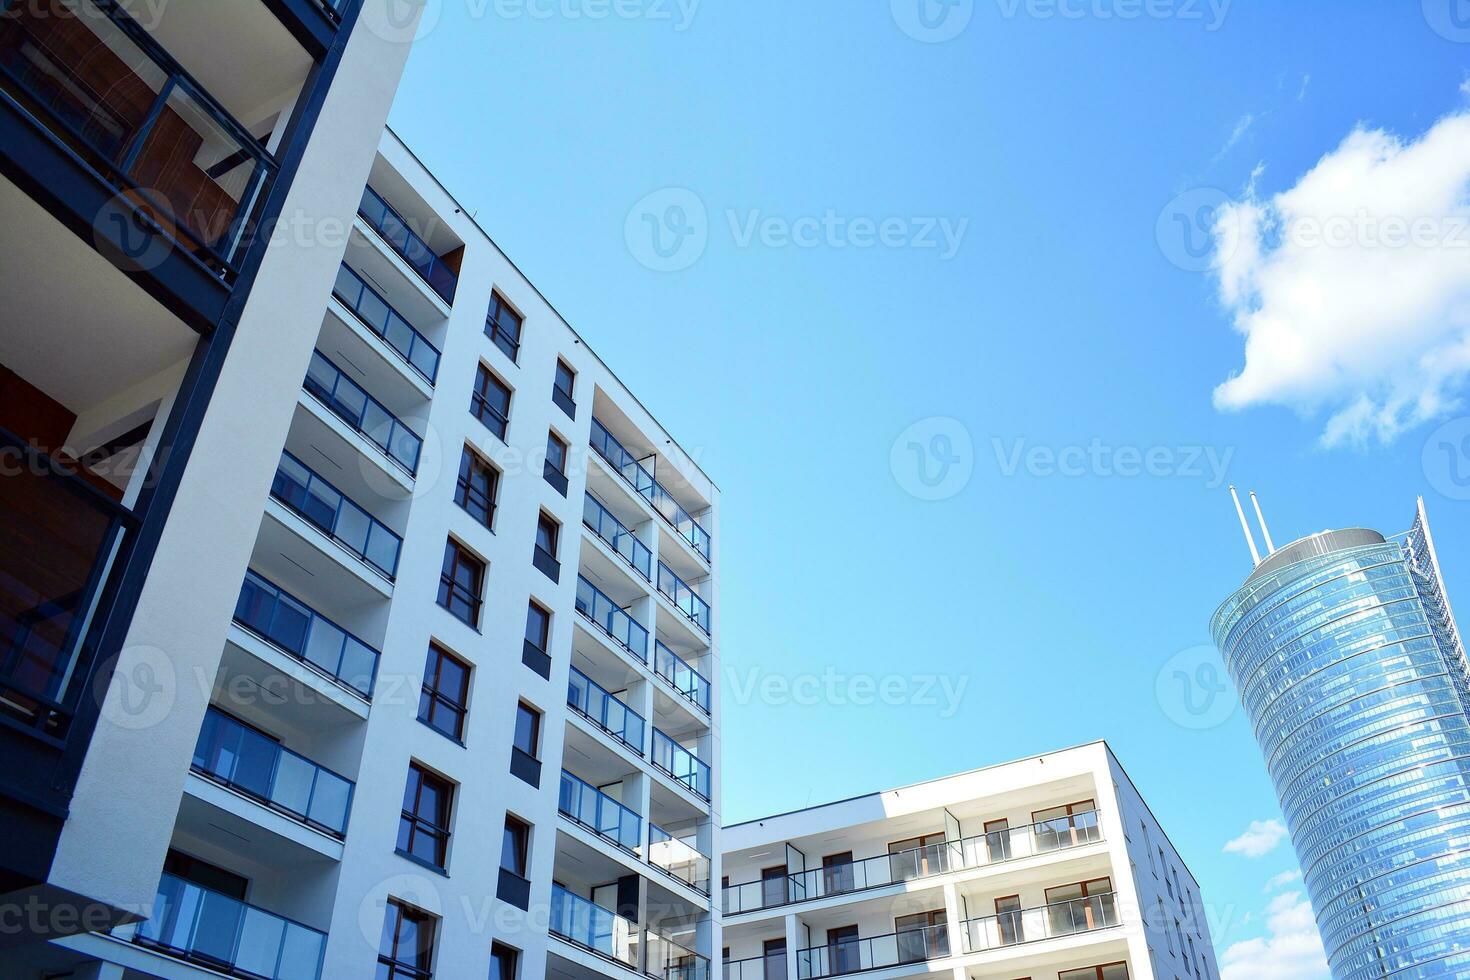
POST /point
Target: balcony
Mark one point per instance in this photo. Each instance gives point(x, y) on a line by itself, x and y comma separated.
point(605, 711)
point(374, 312)
point(593, 809)
point(248, 761)
point(917, 945)
point(601, 522)
point(685, 599)
point(612, 620)
point(681, 677)
point(679, 858)
point(103, 88)
point(294, 628)
point(362, 413)
point(772, 966)
point(1053, 921)
point(679, 763)
point(592, 927)
point(326, 508)
point(643, 483)
point(224, 934)
point(58, 540)
point(999, 847)
point(670, 960)
point(420, 257)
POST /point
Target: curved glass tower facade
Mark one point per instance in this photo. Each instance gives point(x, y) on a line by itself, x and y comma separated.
point(1348, 661)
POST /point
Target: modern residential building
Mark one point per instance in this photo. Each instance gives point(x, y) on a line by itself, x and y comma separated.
point(357, 619)
point(1051, 868)
point(163, 168)
point(1347, 658)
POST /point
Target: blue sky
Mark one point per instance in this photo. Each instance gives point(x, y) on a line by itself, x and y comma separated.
point(1064, 319)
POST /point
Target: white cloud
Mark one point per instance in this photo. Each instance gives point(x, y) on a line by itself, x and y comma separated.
point(1352, 288)
point(1242, 126)
point(1282, 880)
point(1261, 838)
point(1290, 950)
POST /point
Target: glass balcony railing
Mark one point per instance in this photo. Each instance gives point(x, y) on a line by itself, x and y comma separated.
point(244, 759)
point(682, 677)
point(642, 481)
point(587, 805)
point(679, 858)
point(855, 955)
point(1047, 922)
point(101, 85)
point(394, 230)
point(60, 539)
point(316, 501)
point(997, 847)
point(772, 966)
point(365, 414)
point(601, 522)
point(684, 766)
point(605, 711)
point(608, 616)
point(670, 960)
point(375, 314)
point(292, 626)
point(685, 599)
point(593, 927)
point(227, 935)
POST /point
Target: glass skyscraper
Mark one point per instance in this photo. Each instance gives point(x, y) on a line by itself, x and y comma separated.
point(1347, 658)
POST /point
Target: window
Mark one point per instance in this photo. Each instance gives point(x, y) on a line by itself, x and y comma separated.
point(837, 873)
point(504, 962)
point(1164, 925)
point(423, 830)
point(407, 943)
point(1189, 960)
point(555, 470)
point(922, 936)
point(475, 490)
point(527, 736)
point(205, 875)
point(538, 640)
point(562, 388)
point(513, 888)
point(445, 693)
point(460, 583)
point(515, 846)
point(490, 402)
point(538, 626)
point(548, 533)
point(917, 857)
point(503, 325)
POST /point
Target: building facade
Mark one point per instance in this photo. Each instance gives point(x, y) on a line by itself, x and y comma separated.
point(1051, 868)
point(366, 629)
point(1346, 655)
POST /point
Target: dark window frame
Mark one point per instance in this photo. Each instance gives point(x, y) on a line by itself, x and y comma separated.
point(499, 335)
point(426, 930)
point(472, 464)
point(433, 698)
point(492, 418)
point(418, 824)
point(451, 589)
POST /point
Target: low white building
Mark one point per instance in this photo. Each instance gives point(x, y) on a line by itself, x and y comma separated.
point(1049, 868)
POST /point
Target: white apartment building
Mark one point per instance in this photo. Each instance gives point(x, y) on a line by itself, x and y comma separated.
point(1049, 868)
point(357, 621)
